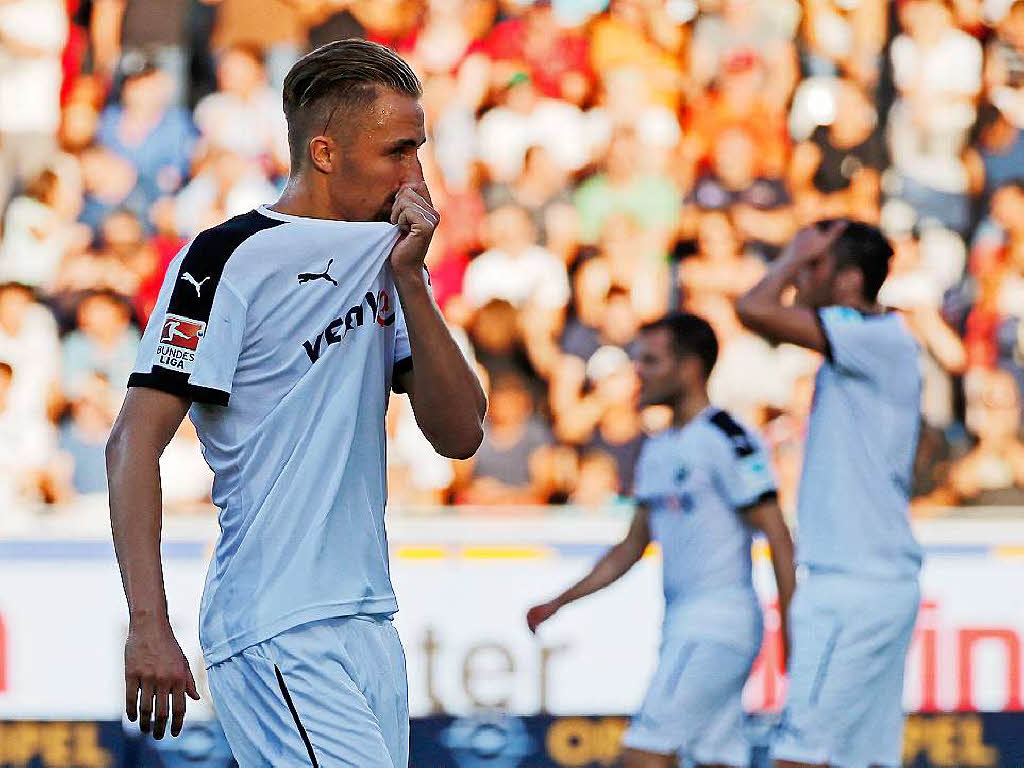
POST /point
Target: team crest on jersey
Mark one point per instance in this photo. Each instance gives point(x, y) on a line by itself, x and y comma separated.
point(179, 339)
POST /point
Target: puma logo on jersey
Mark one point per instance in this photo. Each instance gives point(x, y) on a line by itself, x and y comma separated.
point(379, 306)
point(306, 277)
point(197, 285)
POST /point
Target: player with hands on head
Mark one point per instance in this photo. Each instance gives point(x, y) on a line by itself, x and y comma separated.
point(853, 616)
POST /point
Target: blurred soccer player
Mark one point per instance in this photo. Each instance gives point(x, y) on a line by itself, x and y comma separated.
point(281, 332)
point(701, 488)
point(853, 616)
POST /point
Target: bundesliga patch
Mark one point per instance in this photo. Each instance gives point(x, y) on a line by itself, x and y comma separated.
point(179, 339)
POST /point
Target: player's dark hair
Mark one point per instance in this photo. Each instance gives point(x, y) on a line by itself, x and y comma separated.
point(341, 77)
point(691, 335)
point(862, 246)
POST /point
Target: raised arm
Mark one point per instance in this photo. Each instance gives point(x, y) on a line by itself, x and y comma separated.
point(612, 566)
point(761, 308)
point(447, 399)
point(154, 663)
point(767, 518)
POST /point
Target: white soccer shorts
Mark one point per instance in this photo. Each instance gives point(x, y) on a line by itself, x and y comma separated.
point(693, 707)
point(328, 693)
point(849, 645)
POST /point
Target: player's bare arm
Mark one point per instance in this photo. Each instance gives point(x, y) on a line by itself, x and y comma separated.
point(447, 399)
point(155, 668)
point(767, 518)
point(761, 309)
point(611, 567)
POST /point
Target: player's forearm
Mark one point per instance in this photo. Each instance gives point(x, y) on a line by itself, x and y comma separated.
point(133, 477)
point(781, 546)
point(447, 399)
point(766, 297)
point(608, 569)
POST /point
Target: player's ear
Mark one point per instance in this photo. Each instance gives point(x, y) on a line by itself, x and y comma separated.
point(323, 153)
point(691, 371)
point(849, 286)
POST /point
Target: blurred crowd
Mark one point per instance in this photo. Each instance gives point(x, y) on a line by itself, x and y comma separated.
point(596, 163)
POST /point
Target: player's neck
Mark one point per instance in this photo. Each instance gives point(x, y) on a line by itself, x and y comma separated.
point(865, 307)
point(689, 407)
point(303, 199)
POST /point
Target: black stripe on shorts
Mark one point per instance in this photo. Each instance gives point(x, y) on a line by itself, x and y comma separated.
point(295, 714)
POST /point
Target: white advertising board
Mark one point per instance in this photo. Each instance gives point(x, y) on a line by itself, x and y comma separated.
point(463, 587)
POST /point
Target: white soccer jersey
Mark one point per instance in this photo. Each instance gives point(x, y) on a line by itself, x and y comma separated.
point(861, 441)
point(695, 481)
point(285, 331)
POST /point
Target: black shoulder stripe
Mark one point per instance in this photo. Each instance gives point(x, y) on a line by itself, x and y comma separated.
point(201, 269)
point(824, 333)
point(741, 443)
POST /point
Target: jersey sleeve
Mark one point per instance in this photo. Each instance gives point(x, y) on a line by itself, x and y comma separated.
point(402, 361)
point(855, 345)
point(743, 466)
point(194, 337)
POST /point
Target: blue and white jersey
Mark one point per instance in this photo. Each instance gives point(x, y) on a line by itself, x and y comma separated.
point(695, 481)
point(861, 442)
point(285, 332)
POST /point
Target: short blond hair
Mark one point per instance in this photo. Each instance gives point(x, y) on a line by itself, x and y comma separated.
point(342, 77)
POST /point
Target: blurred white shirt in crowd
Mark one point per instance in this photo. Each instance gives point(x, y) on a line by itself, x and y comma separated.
point(34, 353)
point(253, 127)
point(504, 135)
point(27, 443)
point(535, 276)
point(33, 244)
point(30, 82)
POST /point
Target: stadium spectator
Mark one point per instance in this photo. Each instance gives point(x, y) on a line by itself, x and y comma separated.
point(29, 343)
point(148, 131)
point(103, 343)
point(227, 185)
point(123, 33)
point(32, 35)
point(719, 266)
point(993, 470)
point(556, 58)
point(541, 184)
point(508, 467)
point(604, 419)
point(597, 483)
point(244, 115)
point(29, 472)
point(276, 27)
point(937, 69)
point(836, 171)
point(514, 267)
point(84, 432)
point(36, 236)
point(523, 118)
point(621, 187)
point(643, 38)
